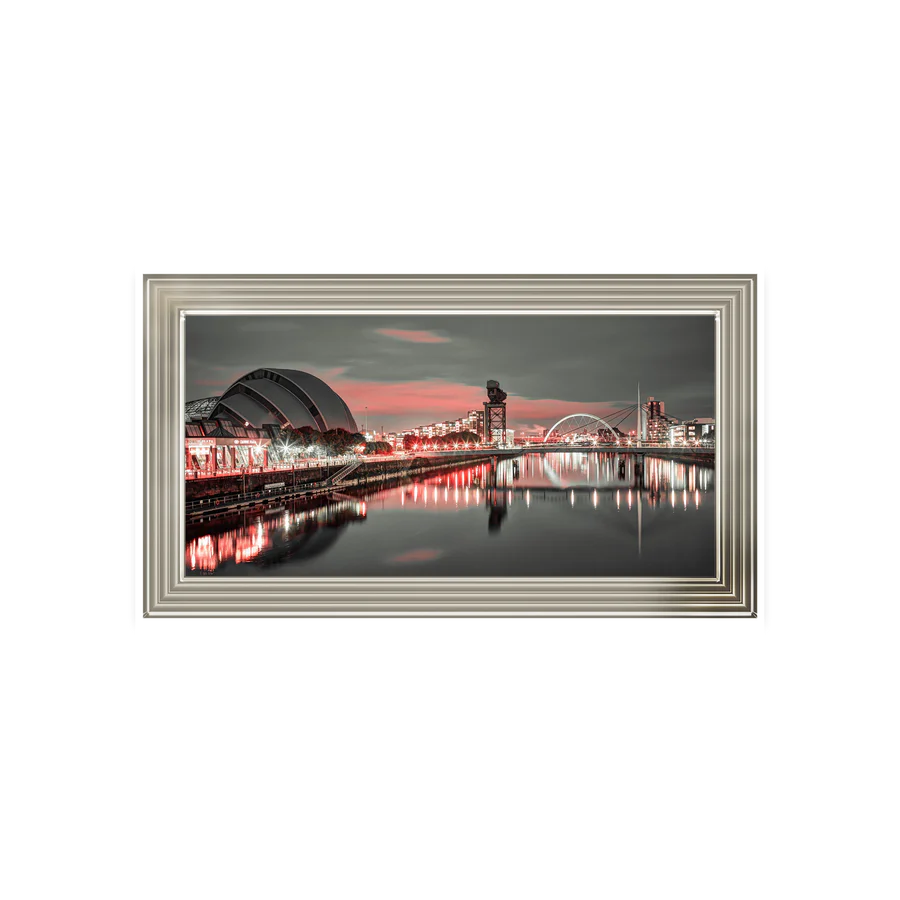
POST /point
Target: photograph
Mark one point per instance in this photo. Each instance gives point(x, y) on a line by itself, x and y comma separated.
point(450, 445)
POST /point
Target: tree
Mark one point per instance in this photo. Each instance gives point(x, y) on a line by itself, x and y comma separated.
point(410, 441)
point(306, 438)
point(338, 441)
point(457, 437)
point(379, 447)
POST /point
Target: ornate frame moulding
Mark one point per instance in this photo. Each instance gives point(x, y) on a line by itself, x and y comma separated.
point(168, 299)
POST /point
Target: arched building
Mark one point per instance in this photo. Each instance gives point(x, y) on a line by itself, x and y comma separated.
point(283, 397)
point(237, 428)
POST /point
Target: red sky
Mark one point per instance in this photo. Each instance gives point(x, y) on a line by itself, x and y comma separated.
point(413, 369)
point(414, 337)
point(434, 400)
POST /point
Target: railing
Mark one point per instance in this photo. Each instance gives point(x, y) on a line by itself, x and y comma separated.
point(340, 476)
point(263, 494)
point(258, 495)
point(302, 465)
point(644, 445)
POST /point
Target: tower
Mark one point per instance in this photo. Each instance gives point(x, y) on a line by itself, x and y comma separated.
point(495, 414)
point(639, 433)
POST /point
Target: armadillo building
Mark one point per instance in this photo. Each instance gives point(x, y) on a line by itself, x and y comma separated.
point(277, 397)
point(237, 428)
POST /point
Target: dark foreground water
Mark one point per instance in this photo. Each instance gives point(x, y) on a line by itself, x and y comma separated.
point(554, 514)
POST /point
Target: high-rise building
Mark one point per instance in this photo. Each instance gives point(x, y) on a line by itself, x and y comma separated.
point(474, 422)
point(658, 423)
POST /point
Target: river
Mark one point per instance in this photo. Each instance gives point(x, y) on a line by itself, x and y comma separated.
point(542, 514)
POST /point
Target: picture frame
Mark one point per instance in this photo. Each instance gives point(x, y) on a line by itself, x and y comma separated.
point(169, 299)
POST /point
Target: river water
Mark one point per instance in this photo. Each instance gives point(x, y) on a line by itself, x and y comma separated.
point(542, 514)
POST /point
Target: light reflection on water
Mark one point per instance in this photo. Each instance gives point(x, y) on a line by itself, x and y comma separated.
point(554, 514)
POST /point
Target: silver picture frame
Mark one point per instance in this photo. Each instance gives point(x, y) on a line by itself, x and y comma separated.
point(169, 299)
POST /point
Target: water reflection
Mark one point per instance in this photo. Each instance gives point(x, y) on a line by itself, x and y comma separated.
point(621, 497)
point(297, 532)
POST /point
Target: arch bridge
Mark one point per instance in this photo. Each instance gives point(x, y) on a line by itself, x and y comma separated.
point(575, 424)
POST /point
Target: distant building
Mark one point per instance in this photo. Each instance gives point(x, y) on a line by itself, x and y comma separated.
point(658, 423)
point(473, 421)
point(695, 430)
point(533, 437)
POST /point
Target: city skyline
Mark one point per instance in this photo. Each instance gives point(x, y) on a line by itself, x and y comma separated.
point(411, 370)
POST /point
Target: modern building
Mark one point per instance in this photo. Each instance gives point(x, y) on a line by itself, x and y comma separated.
point(277, 397)
point(473, 421)
point(216, 444)
point(235, 430)
point(701, 430)
point(658, 423)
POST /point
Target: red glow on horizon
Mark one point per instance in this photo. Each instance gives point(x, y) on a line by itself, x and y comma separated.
point(414, 337)
point(407, 404)
point(435, 400)
point(421, 555)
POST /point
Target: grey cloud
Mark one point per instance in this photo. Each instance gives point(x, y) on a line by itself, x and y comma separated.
point(571, 358)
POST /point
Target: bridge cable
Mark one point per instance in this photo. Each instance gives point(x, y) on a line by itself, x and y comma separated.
point(619, 417)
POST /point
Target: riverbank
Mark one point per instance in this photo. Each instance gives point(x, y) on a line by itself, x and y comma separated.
point(208, 498)
point(703, 457)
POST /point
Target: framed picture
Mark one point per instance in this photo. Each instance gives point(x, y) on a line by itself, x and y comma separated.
point(449, 445)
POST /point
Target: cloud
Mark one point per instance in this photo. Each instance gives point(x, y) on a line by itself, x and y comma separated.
point(409, 403)
point(414, 337)
point(422, 555)
point(435, 366)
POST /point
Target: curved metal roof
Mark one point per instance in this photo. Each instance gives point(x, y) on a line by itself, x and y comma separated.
point(199, 409)
point(246, 408)
point(285, 397)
